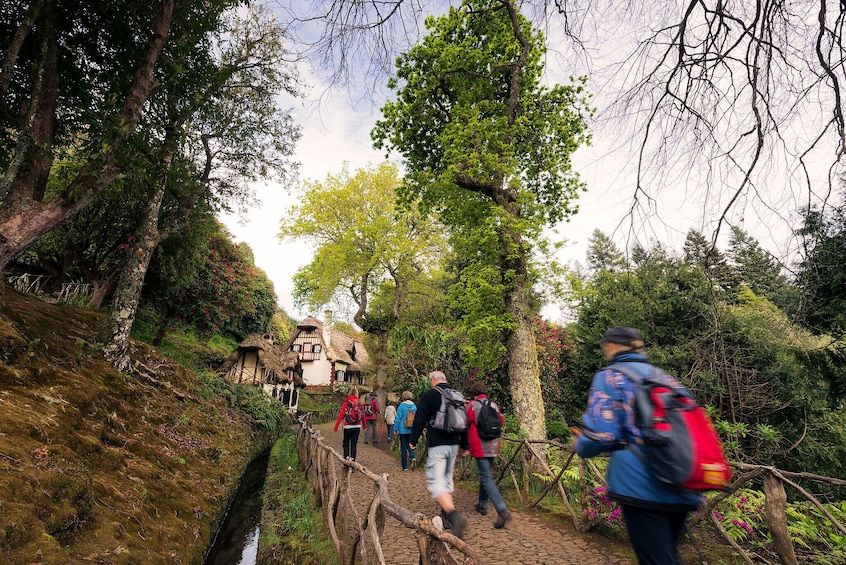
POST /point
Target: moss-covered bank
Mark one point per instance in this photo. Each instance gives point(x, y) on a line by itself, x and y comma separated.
point(101, 467)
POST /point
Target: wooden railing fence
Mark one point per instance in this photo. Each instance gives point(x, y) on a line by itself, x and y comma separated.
point(545, 471)
point(357, 538)
point(536, 487)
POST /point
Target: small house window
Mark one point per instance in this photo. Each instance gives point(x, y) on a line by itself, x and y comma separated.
point(296, 347)
point(317, 348)
point(340, 376)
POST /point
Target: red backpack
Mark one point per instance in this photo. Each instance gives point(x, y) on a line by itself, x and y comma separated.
point(352, 414)
point(680, 446)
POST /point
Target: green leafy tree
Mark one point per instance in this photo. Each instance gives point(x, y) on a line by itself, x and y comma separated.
point(821, 274)
point(227, 292)
point(222, 116)
point(72, 71)
point(759, 270)
point(485, 143)
point(603, 253)
point(364, 250)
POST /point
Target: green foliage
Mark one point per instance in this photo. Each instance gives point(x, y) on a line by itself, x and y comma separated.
point(742, 516)
point(227, 292)
point(451, 118)
point(821, 275)
point(363, 244)
point(771, 383)
point(292, 528)
point(268, 414)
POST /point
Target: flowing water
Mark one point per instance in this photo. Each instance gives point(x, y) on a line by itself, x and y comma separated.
point(236, 542)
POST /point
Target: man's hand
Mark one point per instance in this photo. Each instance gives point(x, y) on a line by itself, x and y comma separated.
point(464, 452)
point(412, 446)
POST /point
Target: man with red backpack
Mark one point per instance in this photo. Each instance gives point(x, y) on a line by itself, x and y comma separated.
point(371, 413)
point(654, 512)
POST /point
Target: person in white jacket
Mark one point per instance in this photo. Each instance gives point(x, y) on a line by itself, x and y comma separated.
point(390, 418)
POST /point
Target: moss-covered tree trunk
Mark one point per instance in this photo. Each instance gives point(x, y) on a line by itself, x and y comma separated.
point(114, 335)
point(523, 368)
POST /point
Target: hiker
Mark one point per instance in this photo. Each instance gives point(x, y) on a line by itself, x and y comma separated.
point(352, 415)
point(403, 425)
point(390, 419)
point(442, 452)
point(371, 413)
point(485, 450)
point(654, 513)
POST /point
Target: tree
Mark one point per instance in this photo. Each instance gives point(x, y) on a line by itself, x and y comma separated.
point(486, 144)
point(59, 81)
point(364, 249)
point(759, 270)
point(223, 113)
point(603, 253)
point(821, 273)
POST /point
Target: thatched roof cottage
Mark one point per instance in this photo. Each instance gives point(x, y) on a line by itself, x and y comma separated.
point(328, 356)
point(258, 362)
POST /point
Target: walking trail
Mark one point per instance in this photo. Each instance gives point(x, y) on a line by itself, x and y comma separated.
point(526, 539)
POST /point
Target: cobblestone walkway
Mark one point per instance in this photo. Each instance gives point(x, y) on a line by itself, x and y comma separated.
point(525, 540)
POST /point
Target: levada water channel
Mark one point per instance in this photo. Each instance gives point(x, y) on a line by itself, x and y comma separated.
point(236, 541)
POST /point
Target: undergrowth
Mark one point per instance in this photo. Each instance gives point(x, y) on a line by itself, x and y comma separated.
point(292, 528)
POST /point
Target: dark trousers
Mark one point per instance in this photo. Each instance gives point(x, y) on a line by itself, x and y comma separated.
point(655, 534)
point(351, 442)
point(406, 453)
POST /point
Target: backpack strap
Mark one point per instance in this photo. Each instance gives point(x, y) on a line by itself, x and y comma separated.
point(635, 377)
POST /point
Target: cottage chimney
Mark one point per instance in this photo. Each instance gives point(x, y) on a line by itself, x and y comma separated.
point(327, 328)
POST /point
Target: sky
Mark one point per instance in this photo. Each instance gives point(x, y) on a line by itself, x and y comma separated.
point(336, 128)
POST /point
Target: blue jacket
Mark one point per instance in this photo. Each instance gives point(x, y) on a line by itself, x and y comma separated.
point(609, 425)
point(402, 410)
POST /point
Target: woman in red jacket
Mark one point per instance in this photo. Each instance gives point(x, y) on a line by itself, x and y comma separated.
point(352, 414)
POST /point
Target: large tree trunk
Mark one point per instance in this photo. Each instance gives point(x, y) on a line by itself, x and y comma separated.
point(382, 367)
point(23, 216)
point(523, 368)
point(114, 335)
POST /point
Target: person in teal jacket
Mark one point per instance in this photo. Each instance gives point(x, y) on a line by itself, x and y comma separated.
point(654, 513)
point(407, 405)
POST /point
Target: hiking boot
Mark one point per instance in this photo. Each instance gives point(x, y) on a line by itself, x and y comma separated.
point(447, 525)
point(413, 464)
point(483, 510)
point(459, 524)
point(502, 518)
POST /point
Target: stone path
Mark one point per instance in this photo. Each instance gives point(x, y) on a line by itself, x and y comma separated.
point(525, 540)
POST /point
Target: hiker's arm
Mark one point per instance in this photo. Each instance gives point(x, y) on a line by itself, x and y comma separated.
point(600, 431)
point(341, 415)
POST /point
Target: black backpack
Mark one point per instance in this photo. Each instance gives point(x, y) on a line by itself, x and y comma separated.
point(488, 423)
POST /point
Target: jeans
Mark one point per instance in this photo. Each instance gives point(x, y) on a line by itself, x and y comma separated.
point(655, 534)
point(351, 442)
point(487, 486)
point(390, 431)
point(371, 432)
point(406, 453)
point(440, 467)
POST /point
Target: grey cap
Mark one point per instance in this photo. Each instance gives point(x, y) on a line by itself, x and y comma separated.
point(622, 336)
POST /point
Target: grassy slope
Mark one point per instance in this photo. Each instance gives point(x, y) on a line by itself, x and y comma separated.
point(100, 467)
